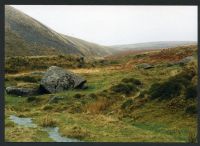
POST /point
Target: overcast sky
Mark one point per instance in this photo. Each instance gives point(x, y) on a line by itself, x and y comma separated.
point(111, 25)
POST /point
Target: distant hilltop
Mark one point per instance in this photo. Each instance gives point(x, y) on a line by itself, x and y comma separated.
point(152, 45)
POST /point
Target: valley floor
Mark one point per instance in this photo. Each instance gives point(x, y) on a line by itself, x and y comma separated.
point(98, 115)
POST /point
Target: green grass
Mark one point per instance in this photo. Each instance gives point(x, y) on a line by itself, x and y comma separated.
point(101, 115)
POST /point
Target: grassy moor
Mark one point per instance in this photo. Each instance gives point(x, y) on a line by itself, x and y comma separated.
point(59, 88)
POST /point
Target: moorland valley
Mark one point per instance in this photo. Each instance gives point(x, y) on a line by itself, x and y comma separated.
point(61, 88)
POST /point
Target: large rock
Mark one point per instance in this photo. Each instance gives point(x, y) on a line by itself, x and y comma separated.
point(20, 91)
point(57, 79)
point(185, 60)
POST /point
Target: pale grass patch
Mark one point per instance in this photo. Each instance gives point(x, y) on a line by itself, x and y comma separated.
point(85, 71)
point(97, 106)
point(48, 121)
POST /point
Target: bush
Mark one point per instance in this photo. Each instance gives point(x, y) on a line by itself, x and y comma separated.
point(165, 90)
point(78, 96)
point(124, 88)
point(94, 96)
point(47, 107)
point(191, 92)
point(174, 85)
point(192, 109)
point(132, 80)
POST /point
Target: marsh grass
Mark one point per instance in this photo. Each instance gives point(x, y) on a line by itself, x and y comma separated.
point(192, 136)
point(75, 132)
point(48, 121)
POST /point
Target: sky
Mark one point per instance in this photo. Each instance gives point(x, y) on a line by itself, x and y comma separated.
point(115, 25)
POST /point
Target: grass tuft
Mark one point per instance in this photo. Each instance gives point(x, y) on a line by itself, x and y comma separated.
point(48, 121)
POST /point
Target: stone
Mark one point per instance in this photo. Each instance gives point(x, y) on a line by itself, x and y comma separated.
point(56, 79)
point(145, 66)
point(185, 60)
point(20, 91)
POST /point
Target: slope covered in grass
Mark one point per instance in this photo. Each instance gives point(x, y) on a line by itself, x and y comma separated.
point(34, 38)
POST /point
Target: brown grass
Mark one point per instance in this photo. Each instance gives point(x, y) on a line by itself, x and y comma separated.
point(48, 121)
point(192, 136)
point(97, 106)
point(75, 132)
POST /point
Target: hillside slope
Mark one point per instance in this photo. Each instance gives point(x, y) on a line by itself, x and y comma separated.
point(26, 36)
point(152, 45)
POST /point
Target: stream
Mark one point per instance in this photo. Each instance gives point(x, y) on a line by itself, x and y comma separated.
point(52, 131)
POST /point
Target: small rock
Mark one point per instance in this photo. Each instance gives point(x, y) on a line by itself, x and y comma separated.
point(22, 91)
point(145, 66)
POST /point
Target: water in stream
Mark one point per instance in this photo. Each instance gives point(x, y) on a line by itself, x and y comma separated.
point(52, 131)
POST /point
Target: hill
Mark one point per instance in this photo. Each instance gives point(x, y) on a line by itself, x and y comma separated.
point(25, 36)
point(152, 45)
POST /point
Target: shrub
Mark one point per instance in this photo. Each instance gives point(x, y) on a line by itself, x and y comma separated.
point(124, 88)
point(191, 92)
point(78, 96)
point(132, 80)
point(92, 95)
point(47, 107)
point(165, 90)
point(174, 85)
point(191, 109)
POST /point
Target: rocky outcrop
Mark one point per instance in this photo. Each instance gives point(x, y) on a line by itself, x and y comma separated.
point(185, 60)
point(56, 79)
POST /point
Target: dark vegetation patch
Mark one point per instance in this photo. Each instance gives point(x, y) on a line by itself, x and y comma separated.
point(192, 109)
point(17, 64)
point(78, 96)
point(127, 86)
point(127, 103)
point(23, 63)
point(176, 85)
point(191, 91)
point(124, 88)
point(32, 99)
point(32, 79)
